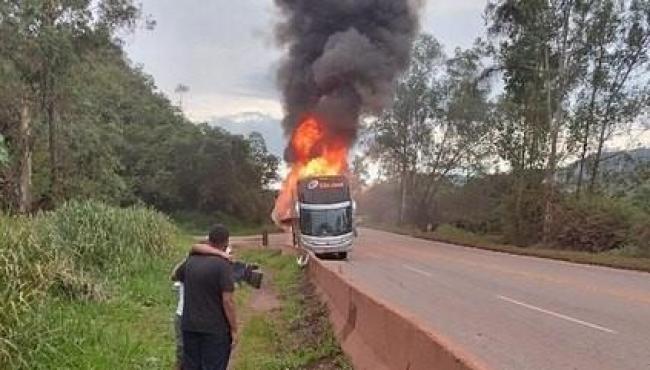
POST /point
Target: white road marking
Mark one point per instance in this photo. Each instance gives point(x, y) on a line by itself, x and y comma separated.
point(555, 314)
point(417, 270)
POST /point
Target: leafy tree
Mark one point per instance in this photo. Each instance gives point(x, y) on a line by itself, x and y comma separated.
point(402, 133)
point(613, 91)
point(574, 73)
point(541, 55)
point(267, 162)
point(437, 126)
point(619, 93)
point(567, 68)
point(115, 137)
point(42, 41)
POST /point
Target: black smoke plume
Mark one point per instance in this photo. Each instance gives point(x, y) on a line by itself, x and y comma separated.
point(343, 57)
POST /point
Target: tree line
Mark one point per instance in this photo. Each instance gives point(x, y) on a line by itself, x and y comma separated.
point(510, 136)
point(78, 120)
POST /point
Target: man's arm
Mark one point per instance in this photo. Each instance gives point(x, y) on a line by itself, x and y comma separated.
point(227, 287)
point(178, 273)
point(229, 309)
point(206, 249)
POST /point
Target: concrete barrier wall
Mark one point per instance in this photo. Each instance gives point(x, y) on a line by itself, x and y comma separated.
point(376, 336)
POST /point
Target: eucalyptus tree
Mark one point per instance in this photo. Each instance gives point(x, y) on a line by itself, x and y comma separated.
point(42, 41)
point(401, 135)
point(266, 163)
point(540, 51)
point(436, 127)
point(620, 86)
point(461, 133)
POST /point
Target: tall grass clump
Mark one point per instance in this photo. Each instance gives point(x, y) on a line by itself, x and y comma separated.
point(108, 238)
point(67, 254)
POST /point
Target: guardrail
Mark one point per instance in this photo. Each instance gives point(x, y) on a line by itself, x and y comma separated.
point(377, 336)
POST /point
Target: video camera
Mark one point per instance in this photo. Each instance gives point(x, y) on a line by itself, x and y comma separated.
point(248, 273)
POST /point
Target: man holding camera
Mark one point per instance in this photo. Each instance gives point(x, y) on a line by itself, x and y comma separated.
point(208, 323)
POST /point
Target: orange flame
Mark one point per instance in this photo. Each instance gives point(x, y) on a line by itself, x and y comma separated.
point(316, 153)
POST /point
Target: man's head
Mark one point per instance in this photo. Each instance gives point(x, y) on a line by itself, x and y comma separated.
point(219, 236)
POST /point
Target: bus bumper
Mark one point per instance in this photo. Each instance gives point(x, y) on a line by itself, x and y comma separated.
point(327, 244)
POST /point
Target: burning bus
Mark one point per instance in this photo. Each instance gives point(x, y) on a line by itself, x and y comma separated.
point(324, 212)
point(315, 201)
point(342, 61)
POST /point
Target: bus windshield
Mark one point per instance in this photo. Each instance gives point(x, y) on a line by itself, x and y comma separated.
point(326, 222)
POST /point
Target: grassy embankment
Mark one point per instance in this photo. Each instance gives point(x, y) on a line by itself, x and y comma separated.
point(449, 234)
point(297, 335)
point(87, 286)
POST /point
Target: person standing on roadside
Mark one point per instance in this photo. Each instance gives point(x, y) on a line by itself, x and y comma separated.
point(209, 323)
point(199, 248)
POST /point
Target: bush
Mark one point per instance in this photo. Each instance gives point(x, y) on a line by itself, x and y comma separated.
point(66, 254)
point(593, 224)
point(455, 234)
point(522, 213)
point(472, 206)
point(641, 198)
point(639, 238)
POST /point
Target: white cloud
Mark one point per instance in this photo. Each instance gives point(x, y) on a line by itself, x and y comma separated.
point(203, 107)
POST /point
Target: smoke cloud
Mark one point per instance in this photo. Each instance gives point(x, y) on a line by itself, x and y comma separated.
point(343, 57)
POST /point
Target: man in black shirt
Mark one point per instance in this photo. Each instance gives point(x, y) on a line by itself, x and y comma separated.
point(208, 323)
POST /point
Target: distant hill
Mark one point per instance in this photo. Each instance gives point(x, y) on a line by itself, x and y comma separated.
point(620, 168)
point(623, 161)
point(247, 122)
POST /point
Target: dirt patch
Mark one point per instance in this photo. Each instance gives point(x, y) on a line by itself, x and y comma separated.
point(265, 299)
point(310, 323)
point(311, 328)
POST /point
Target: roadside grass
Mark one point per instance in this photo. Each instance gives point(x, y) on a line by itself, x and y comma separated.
point(78, 282)
point(452, 235)
point(132, 329)
point(197, 223)
point(298, 335)
point(87, 287)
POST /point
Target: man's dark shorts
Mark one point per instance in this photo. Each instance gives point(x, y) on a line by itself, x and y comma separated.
point(205, 351)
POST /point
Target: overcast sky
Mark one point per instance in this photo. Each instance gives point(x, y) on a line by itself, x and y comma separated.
point(224, 50)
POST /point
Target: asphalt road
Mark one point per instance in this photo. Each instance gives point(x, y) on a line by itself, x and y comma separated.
point(509, 312)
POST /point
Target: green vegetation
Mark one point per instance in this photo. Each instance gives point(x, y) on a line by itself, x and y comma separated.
point(486, 207)
point(131, 329)
point(530, 159)
point(298, 336)
point(80, 121)
point(196, 223)
point(77, 280)
point(87, 286)
point(4, 156)
point(522, 169)
point(631, 258)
